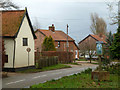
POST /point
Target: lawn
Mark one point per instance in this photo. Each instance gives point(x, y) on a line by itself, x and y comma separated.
point(80, 80)
point(53, 67)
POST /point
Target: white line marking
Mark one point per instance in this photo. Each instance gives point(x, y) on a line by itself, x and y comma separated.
point(36, 77)
point(43, 75)
point(57, 73)
point(39, 76)
point(15, 82)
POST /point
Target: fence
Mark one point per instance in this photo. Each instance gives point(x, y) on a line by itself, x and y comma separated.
point(63, 57)
point(45, 61)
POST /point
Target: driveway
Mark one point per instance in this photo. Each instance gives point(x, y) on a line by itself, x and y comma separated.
point(26, 80)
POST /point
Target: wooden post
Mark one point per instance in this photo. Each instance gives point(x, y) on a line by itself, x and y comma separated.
point(100, 64)
point(67, 43)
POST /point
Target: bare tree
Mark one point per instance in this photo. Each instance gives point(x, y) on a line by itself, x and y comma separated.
point(114, 11)
point(7, 4)
point(98, 25)
point(87, 47)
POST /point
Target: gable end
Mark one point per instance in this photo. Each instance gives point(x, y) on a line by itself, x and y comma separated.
point(29, 22)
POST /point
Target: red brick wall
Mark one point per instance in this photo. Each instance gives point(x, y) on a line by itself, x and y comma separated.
point(63, 47)
point(39, 40)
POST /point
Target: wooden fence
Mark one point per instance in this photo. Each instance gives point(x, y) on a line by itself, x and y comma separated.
point(63, 57)
point(45, 61)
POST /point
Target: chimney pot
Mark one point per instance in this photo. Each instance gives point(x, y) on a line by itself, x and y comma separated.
point(52, 28)
point(53, 25)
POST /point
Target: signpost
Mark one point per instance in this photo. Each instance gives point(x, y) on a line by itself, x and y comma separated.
point(28, 50)
point(100, 75)
point(99, 51)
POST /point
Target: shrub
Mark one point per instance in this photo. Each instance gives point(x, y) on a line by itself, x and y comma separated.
point(113, 69)
point(87, 71)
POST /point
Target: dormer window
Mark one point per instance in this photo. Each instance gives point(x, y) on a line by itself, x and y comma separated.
point(25, 41)
point(58, 44)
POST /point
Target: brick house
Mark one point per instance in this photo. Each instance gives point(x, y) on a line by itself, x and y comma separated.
point(89, 42)
point(60, 40)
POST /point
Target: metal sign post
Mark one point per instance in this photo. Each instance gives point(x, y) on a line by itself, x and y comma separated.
point(28, 50)
point(99, 51)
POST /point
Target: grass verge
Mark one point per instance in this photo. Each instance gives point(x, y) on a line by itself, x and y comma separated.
point(53, 67)
point(81, 60)
point(74, 63)
point(95, 63)
point(80, 80)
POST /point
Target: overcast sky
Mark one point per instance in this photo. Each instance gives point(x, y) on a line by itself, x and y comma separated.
point(68, 0)
point(76, 13)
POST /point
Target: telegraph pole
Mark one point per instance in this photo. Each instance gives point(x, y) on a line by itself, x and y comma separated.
point(67, 37)
point(67, 41)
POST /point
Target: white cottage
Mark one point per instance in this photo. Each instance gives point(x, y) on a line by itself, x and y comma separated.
point(18, 35)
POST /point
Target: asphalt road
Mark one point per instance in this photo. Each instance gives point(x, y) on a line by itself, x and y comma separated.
point(26, 80)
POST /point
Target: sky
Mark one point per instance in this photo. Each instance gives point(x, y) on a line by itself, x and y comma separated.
point(76, 13)
point(69, 0)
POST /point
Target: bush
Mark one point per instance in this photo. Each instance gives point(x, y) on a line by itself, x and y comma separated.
point(87, 71)
point(113, 69)
point(106, 61)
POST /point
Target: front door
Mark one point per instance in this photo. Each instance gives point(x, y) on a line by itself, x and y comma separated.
point(76, 54)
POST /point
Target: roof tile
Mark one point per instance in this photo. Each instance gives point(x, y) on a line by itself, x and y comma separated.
point(11, 21)
point(99, 38)
point(57, 35)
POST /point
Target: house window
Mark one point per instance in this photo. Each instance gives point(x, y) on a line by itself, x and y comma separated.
point(6, 58)
point(25, 42)
point(58, 44)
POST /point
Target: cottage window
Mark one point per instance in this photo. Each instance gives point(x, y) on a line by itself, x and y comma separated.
point(25, 42)
point(6, 58)
point(58, 44)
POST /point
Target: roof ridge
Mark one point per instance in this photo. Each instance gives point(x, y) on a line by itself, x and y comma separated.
point(12, 10)
point(49, 30)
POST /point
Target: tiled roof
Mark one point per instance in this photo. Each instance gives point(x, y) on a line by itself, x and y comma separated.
point(11, 21)
point(99, 38)
point(57, 35)
point(96, 37)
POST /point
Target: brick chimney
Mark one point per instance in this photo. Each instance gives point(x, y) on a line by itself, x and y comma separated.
point(52, 28)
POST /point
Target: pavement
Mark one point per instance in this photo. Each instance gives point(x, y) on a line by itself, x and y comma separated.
point(17, 80)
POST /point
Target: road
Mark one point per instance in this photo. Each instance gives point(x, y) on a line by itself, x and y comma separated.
point(26, 80)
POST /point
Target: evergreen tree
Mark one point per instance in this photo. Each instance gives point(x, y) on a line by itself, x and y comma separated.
point(45, 44)
point(115, 48)
point(107, 52)
point(51, 46)
point(48, 44)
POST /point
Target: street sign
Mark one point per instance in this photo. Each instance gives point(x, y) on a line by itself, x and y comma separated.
point(99, 49)
point(28, 49)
